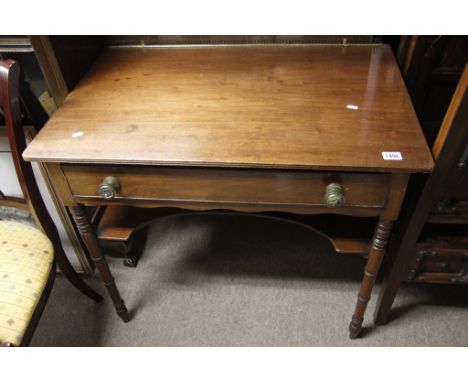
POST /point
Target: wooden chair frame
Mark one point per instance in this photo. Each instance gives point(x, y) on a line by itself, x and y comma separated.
point(9, 99)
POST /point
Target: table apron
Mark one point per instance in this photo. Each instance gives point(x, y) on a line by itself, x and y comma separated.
point(243, 189)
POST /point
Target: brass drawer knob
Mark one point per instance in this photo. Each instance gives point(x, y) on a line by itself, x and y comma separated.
point(109, 187)
point(334, 195)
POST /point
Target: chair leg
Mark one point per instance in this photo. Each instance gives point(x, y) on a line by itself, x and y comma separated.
point(70, 273)
point(39, 308)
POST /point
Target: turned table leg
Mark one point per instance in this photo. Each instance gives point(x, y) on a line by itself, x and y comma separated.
point(89, 238)
point(376, 254)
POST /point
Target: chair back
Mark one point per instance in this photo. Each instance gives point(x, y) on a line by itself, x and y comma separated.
point(10, 102)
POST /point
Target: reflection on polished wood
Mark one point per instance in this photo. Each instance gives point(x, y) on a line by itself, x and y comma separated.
point(265, 129)
point(281, 107)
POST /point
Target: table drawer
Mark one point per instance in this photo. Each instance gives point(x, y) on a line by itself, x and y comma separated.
point(228, 185)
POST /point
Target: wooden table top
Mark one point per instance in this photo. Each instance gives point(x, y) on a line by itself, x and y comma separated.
point(304, 107)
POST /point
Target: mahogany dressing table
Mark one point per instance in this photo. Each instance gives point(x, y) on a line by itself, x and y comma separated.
point(295, 129)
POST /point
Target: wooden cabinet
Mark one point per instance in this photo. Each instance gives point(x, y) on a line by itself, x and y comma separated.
point(431, 243)
point(432, 67)
point(440, 259)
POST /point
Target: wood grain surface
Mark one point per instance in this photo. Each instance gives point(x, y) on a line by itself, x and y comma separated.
point(315, 107)
point(267, 187)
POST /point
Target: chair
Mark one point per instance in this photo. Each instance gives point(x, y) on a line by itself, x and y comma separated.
point(28, 256)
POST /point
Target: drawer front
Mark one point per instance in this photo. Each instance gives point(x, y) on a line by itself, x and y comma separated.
point(438, 266)
point(442, 263)
point(248, 186)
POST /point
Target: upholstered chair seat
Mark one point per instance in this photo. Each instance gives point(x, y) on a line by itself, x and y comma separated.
point(26, 258)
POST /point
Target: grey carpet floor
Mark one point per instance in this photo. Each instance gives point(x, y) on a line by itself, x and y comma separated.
point(242, 281)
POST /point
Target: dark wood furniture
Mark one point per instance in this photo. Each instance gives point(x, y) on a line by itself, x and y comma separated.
point(121, 231)
point(290, 129)
point(431, 67)
point(9, 99)
point(425, 249)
